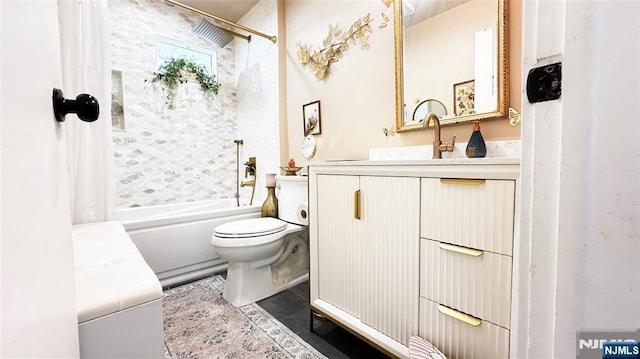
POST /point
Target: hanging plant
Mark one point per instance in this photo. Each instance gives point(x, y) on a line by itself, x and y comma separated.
point(178, 71)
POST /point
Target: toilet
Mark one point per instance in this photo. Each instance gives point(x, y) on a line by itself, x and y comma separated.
point(266, 255)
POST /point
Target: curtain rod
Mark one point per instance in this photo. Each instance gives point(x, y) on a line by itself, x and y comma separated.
point(272, 38)
point(246, 37)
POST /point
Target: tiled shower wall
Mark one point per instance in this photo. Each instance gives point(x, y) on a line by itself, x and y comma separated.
point(179, 155)
point(257, 86)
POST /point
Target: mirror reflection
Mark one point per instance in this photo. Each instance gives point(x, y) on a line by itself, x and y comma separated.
point(453, 52)
point(426, 106)
point(308, 147)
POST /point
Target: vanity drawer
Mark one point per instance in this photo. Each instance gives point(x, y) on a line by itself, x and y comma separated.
point(472, 213)
point(457, 338)
point(473, 281)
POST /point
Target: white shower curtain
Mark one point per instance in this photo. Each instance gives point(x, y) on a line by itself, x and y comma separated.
point(86, 68)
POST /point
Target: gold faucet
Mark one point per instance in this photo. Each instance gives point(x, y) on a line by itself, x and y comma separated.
point(248, 183)
point(249, 170)
point(438, 146)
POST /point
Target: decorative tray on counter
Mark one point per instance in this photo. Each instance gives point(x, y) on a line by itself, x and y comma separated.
point(290, 171)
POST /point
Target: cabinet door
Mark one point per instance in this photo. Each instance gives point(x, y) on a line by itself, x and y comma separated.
point(339, 243)
point(389, 254)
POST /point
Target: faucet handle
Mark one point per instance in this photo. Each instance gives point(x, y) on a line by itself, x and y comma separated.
point(448, 147)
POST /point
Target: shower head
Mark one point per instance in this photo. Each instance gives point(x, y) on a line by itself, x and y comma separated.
point(215, 34)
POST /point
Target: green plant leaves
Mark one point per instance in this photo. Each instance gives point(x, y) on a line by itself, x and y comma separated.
point(178, 71)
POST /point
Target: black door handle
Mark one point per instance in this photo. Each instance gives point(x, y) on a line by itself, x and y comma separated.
point(85, 106)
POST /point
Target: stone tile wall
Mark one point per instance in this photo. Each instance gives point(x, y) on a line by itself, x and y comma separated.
point(257, 88)
point(179, 155)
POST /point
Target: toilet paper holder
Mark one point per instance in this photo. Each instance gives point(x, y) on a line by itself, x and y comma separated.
point(302, 213)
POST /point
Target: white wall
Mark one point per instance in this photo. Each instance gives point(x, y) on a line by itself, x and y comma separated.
point(258, 114)
point(358, 99)
point(580, 218)
point(37, 304)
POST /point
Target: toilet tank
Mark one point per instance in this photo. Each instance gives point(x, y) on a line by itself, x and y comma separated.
point(291, 193)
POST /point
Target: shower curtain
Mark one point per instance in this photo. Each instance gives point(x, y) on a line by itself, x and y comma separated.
point(86, 68)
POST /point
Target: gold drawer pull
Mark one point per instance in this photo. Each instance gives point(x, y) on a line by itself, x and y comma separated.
point(356, 204)
point(461, 181)
point(460, 249)
point(471, 320)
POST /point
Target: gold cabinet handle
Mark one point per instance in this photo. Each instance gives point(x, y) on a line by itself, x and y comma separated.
point(461, 181)
point(466, 318)
point(356, 204)
point(460, 249)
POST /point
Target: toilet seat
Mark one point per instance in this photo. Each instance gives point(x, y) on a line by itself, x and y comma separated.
point(248, 232)
point(252, 227)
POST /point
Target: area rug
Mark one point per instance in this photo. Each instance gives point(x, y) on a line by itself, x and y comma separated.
point(200, 324)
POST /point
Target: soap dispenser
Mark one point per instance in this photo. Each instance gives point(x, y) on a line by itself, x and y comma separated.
point(476, 147)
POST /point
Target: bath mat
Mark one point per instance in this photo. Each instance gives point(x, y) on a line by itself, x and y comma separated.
point(200, 324)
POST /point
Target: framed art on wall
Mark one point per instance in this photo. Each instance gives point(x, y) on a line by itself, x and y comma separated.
point(463, 98)
point(311, 118)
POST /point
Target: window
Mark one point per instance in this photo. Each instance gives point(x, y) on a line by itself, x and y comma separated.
point(168, 48)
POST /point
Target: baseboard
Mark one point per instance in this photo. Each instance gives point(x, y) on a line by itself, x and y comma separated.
point(179, 278)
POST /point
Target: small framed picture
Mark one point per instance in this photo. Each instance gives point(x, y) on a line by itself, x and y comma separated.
point(463, 98)
point(311, 118)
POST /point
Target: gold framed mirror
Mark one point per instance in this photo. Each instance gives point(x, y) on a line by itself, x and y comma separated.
point(454, 51)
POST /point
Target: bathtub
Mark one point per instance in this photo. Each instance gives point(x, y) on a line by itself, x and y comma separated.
point(175, 239)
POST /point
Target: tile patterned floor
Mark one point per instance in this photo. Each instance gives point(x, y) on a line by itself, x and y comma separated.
point(291, 308)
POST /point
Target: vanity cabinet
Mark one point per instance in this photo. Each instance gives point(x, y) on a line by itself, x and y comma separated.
point(403, 250)
point(366, 260)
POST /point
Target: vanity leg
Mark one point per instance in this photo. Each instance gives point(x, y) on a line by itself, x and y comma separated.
point(315, 315)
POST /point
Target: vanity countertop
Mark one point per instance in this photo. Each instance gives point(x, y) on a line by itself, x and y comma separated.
point(507, 168)
point(427, 162)
point(498, 153)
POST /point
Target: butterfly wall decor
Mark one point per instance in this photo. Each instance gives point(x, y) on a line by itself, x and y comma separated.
point(389, 131)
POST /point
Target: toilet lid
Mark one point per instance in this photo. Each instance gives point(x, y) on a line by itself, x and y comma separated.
point(253, 227)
